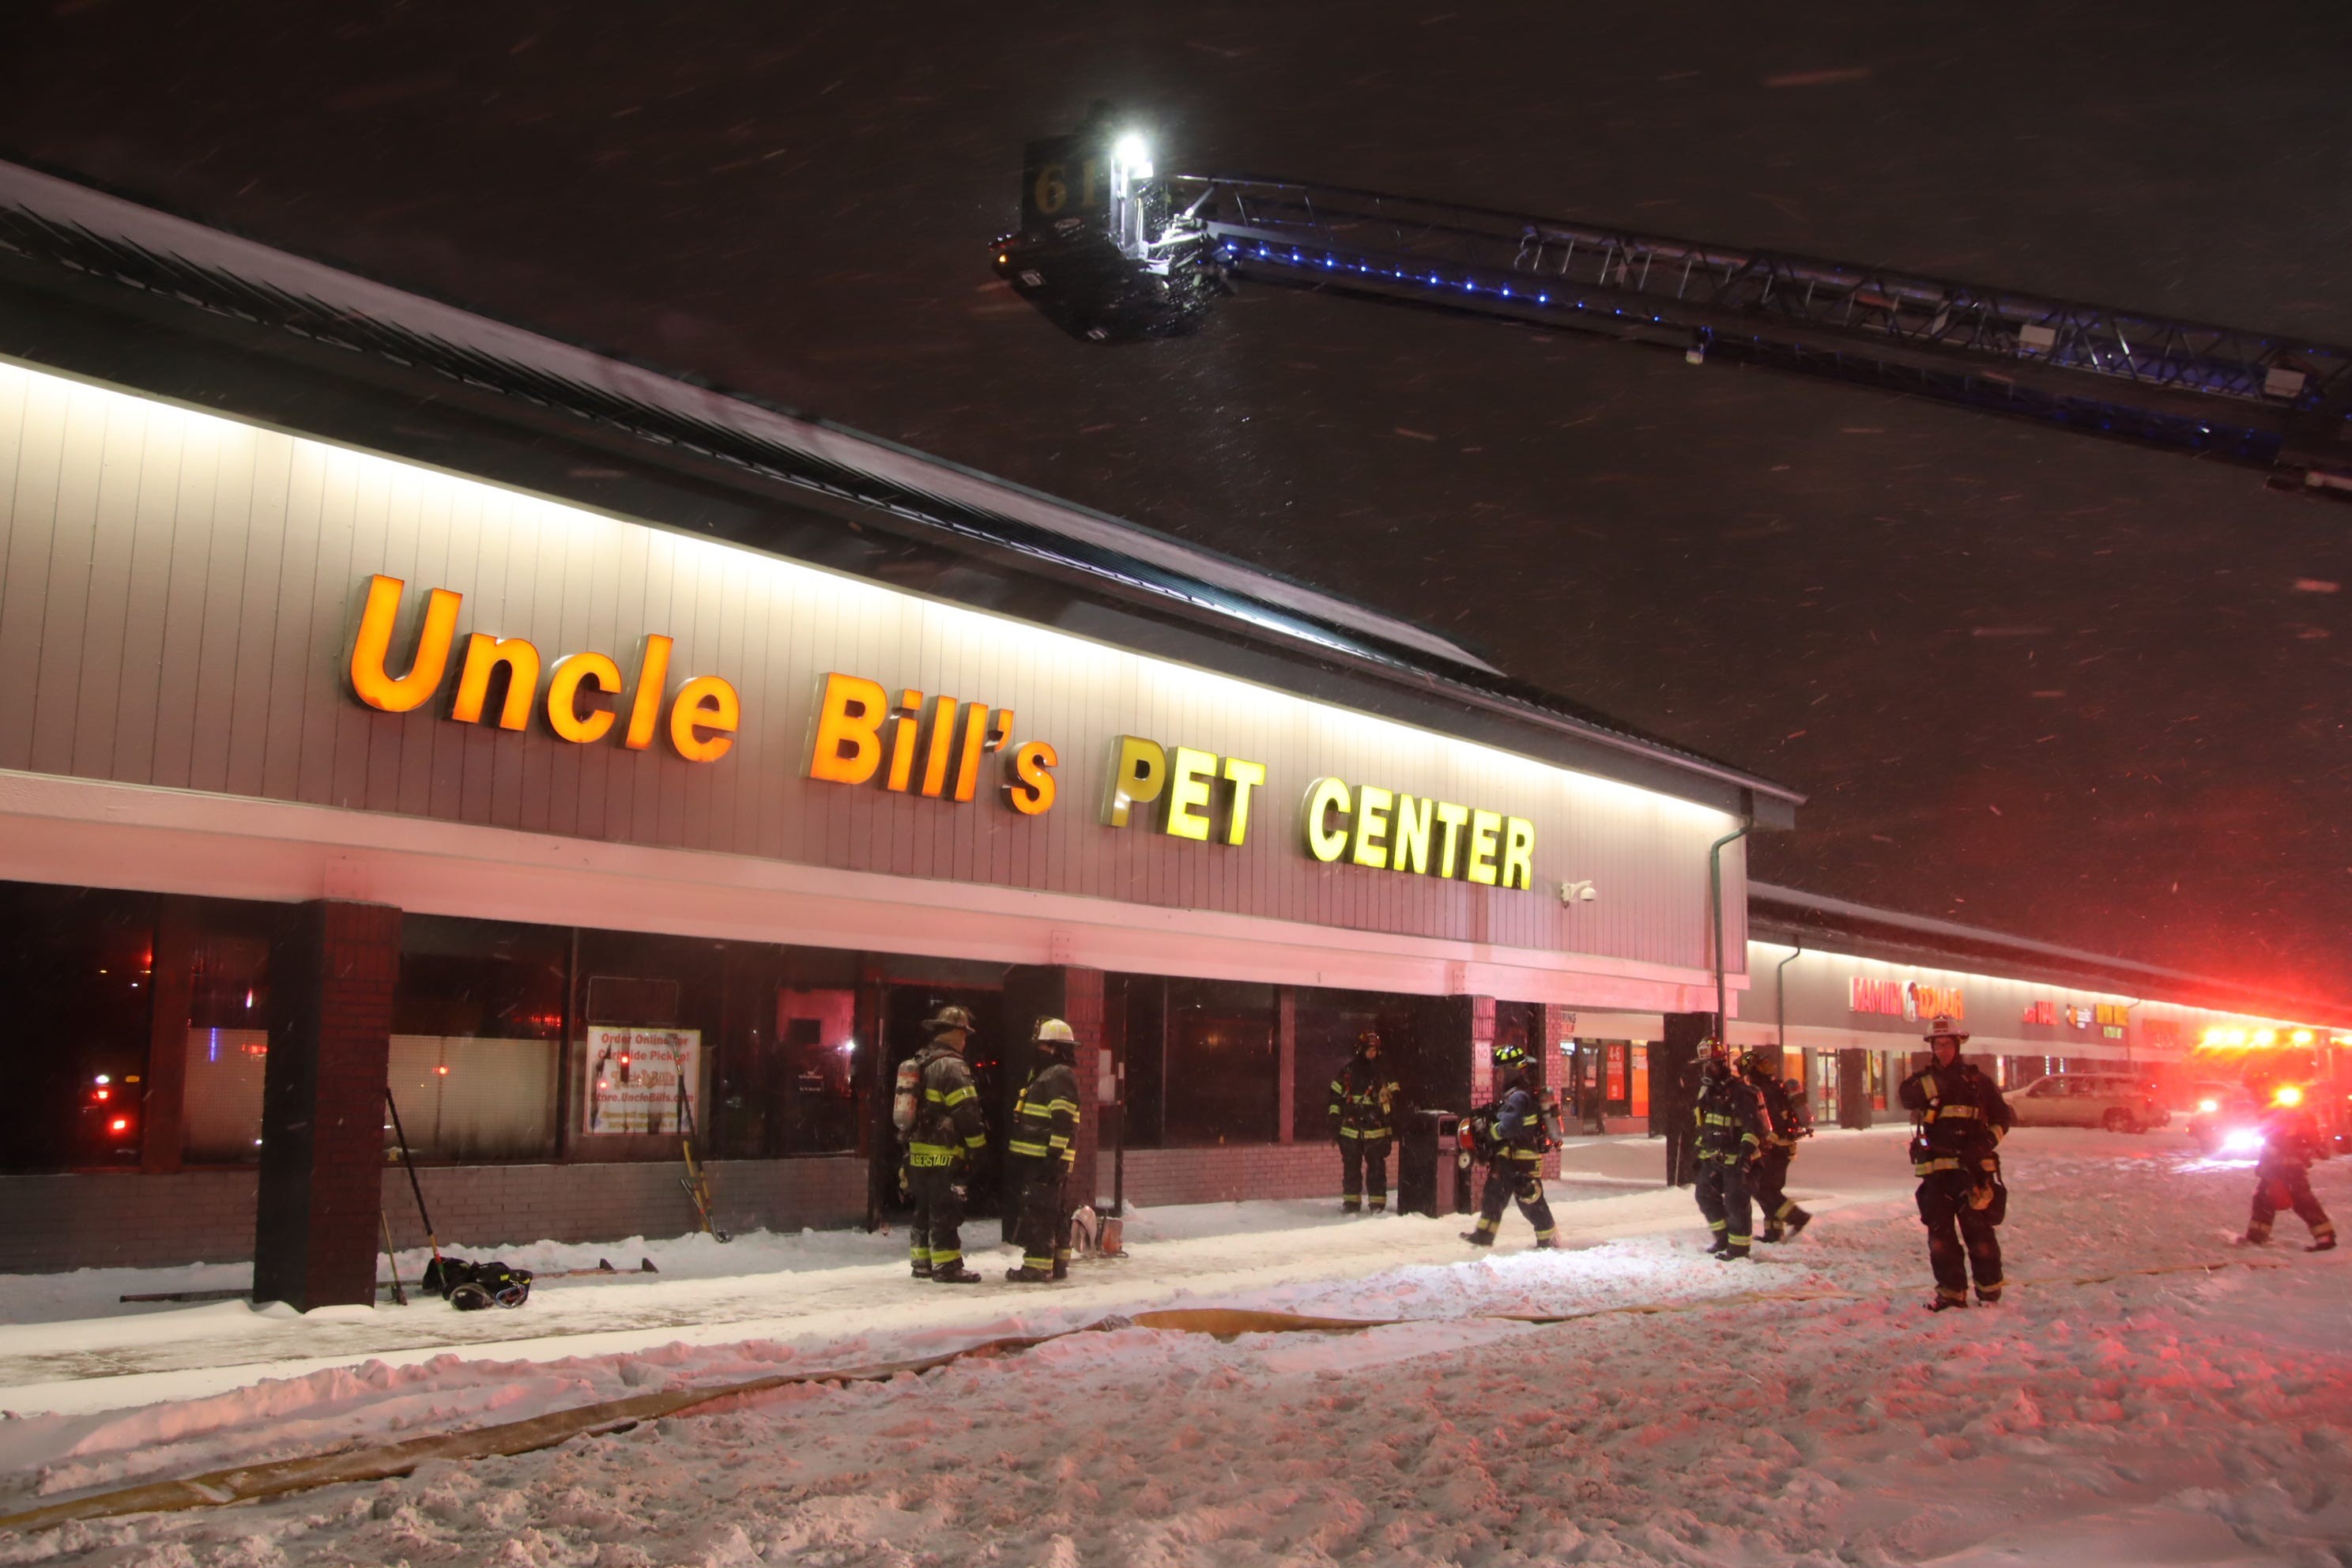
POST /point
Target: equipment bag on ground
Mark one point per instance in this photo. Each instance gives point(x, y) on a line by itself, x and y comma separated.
point(471, 1286)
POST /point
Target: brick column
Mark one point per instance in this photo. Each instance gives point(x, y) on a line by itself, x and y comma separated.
point(331, 969)
point(1555, 1025)
point(1286, 1045)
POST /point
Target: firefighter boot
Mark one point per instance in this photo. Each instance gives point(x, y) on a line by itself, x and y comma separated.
point(1024, 1274)
point(953, 1274)
point(1796, 1223)
point(1479, 1238)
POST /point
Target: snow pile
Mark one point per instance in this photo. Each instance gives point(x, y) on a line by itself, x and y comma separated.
point(1802, 1411)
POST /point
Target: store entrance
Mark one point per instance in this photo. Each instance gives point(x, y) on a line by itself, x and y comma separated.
point(904, 1008)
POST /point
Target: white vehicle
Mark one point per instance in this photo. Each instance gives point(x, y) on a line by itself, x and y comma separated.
point(2112, 1100)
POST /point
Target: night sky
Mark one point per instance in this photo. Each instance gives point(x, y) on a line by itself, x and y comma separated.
point(2031, 681)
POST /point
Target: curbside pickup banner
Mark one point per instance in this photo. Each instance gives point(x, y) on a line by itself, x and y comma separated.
point(634, 1077)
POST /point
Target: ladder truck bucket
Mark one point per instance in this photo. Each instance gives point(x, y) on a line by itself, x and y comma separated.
point(1100, 252)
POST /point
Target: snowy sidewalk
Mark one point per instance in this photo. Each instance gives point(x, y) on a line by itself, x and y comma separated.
point(74, 1348)
point(2103, 1413)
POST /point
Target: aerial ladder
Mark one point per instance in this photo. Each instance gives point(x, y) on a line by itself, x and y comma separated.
point(1113, 252)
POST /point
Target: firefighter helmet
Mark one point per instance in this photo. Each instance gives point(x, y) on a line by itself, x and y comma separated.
point(1510, 1055)
point(1054, 1032)
point(1944, 1028)
point(948, 1017)
point(1368, 1041)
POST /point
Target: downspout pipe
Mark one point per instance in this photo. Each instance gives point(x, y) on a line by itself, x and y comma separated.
point(1780, 994)
point(1715, 910)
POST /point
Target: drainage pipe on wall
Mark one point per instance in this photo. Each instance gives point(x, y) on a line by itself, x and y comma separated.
point(1714, 910)
point(1780, 995)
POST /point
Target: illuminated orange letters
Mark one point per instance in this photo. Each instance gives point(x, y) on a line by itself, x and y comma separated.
point(703, 717)
point(849, 730)
point(369, 679)
point(851, 711)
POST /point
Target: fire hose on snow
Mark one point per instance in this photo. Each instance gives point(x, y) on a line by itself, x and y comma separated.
point(251, 1483)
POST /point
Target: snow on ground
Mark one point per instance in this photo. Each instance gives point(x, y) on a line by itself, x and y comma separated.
point(1805, 1410)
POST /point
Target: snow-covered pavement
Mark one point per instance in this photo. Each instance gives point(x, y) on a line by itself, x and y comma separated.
point(1803, 1410)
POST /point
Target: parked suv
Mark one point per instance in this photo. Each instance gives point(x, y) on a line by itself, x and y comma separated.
point(2111, 1101)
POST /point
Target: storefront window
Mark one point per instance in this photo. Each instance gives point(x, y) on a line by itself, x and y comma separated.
point(1584, 1086)
point(477, 1032)
point(1202, 1068)
point(763, 1040)
point(75, 965)
point(1617, 1065)
point(787, 1072)
point(1327, 1024)
point(226, 948)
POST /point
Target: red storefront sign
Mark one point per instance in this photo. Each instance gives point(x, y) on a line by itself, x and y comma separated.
point(1905, 999)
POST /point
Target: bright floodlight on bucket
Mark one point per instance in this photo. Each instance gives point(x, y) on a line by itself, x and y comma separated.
point(1131, 154)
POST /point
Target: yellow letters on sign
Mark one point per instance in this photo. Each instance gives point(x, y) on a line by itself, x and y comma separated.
point(1484, 826)
point(1418, 836)
point(1139, 772)
point(370, 681)
point(1325, 797)
point(1451, 818)
point(706, 702)
point(1030, 790)
point(702, 721)
point(849, 730)
point(1518, 852)
point(1193, 772)
point(563, 715)
point(952, 737)
point(1372, 805)
point(1244, 777)
point(1412, 835)
point(653, 676)
point(484, 653)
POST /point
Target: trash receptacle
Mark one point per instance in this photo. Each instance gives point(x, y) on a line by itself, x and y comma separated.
point(1427, 1180)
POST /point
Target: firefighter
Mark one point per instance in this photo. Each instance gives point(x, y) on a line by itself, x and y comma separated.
point(1045, 1120)
point(1731, 1126)
point(1514, 1150)
point(947, 1135)
point(2291, 1141)
point(1362, 1097)
point(1959, 1119)
point(1784, 1113)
